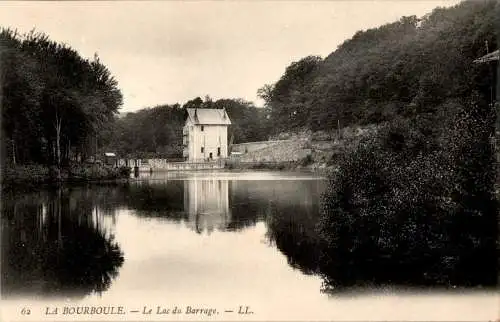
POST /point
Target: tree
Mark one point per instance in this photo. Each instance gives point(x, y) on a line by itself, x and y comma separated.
point(54, 99)
point(288, 98)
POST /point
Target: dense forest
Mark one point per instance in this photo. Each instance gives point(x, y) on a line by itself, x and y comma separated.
point(399, 69)
point(55, 103)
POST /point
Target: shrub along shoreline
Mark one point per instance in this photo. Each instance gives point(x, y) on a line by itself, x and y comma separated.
point(415, 205)
point(36, 174)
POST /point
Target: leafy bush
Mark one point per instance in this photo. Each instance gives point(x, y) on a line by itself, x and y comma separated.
point(414, 205)
point(37, 174)
point(97, 172)
point(27, 173)
point(307, 160)
point(124, 172)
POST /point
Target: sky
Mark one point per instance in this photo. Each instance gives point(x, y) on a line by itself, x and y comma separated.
point(167, 52)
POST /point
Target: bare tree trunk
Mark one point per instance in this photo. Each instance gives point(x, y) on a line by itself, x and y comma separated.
point(13, 152)
point(496, 107)
point(68, 150)
point(58, 140)
point(58, 148)
point(59, 219)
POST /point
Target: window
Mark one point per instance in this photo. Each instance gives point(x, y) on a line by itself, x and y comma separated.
point(218, 152)
point(202, 128)
point(202, 149)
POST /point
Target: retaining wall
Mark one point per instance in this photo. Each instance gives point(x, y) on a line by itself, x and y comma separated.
point(255, 146)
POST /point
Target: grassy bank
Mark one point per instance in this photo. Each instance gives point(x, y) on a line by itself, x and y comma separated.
point(35, 174)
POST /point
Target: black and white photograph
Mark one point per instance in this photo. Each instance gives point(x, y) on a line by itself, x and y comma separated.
point(244, 160)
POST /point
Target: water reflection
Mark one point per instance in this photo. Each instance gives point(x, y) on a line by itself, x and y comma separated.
point(207, 204)
point(57, 243)
point(292, 225)
point(295, 236)
point(156, 198)
point(204, 203)
point(61, 242)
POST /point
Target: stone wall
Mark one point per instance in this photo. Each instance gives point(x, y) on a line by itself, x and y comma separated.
point(286, 150)
point(255, 146)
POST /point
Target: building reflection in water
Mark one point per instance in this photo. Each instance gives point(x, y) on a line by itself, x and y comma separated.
point(206, 202)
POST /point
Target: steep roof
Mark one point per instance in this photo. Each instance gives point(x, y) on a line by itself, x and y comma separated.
point(208, 116)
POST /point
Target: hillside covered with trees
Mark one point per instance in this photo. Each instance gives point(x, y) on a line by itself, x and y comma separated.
point(403, 68)
point(414, 68)
point(413, 204)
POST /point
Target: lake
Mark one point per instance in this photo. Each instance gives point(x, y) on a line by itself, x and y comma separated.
point(228, 245)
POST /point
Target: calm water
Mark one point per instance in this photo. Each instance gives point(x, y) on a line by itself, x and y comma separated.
point(210, 240)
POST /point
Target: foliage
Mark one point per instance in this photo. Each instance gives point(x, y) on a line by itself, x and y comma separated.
point(86, 172)
point(307, 160)
point(413, 207)
point(54, 102)
point(236, 164)
point(249, 123)
point(34, 174)
point(149, 133)
point(398, 69)
point(289, 97)
point(27, 173)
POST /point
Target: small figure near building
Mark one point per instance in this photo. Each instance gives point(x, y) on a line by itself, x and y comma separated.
point(205, 134)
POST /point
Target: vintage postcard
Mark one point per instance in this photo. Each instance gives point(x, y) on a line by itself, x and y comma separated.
point(249, 160)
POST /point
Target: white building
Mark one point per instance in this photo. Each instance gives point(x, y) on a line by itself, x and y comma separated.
point(205, 134)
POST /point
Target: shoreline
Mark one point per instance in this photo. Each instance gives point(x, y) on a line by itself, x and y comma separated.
point(34, 177)
point(33, 183)
point(36, 186)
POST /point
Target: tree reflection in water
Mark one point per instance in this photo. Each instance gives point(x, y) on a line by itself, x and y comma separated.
point(295, 228)
point(162, 199)
point(55, 243)
point(291, 228)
